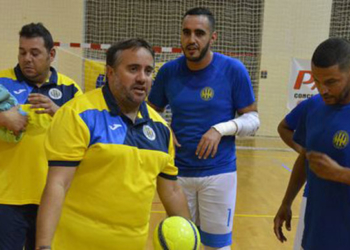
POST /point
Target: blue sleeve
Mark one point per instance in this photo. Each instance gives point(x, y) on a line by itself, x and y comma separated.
point(157, 95)
point(300, 132)
point(243, 94)
point(292, 119)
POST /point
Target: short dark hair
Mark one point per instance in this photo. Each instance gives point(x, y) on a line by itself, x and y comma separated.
point(333, 51)
point(200, 11)
point(113, 53)
point(33, 30)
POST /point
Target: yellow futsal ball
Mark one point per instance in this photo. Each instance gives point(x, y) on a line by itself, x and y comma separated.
point(176, 233)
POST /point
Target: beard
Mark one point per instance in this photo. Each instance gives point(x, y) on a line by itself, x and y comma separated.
point(201, 55)
point(344, 98)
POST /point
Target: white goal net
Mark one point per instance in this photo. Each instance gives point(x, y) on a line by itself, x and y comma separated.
point(264, 35)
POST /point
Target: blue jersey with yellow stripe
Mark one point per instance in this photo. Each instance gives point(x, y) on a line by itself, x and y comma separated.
point(23, 165)
point(199, 100)
point(326, 129)
point(109, 202)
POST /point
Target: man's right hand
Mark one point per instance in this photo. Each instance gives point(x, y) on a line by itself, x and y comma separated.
point(284, 214)
point(13, 120)
point(176, 143)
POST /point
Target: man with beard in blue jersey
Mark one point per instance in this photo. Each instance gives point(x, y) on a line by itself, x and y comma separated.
point(205, 90)
point(323, 132)
point(286, 129)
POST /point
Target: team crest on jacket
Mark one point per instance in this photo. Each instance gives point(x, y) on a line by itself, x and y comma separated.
point(207, 94)
point(55, 94)
point(149, 132)
point(341, 139)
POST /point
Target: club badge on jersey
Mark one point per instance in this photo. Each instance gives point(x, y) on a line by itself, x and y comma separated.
point(55, 94)
point(341, 139)
point(207, 94)
point(149, 132)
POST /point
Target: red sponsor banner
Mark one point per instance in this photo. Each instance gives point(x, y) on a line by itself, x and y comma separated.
point(301, 83)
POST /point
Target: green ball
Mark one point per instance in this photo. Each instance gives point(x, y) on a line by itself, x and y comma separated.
point(176, 233)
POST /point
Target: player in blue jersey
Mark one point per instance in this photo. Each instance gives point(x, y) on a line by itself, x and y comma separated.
point(286, 130)
point(205, 90)
point(40, 90)
point(323, 132)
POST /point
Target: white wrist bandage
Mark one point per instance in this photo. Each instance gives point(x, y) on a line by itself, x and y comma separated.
point(246, 124)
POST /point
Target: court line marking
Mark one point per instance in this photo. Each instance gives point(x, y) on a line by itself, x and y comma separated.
point(282, 164)
point(266, 156)
point(285, 166)
point(241, 215)
point(263, 149)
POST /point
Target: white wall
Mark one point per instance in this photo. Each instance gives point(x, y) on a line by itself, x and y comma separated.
point(291, 29)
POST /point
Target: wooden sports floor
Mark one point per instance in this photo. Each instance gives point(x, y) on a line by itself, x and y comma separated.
point(263, 174)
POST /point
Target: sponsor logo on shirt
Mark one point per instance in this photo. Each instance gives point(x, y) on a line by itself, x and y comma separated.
point(341, 139)
point(149, 132)
point(114, 126)
point(19, 91)
point(55, 94)
point(207, 94)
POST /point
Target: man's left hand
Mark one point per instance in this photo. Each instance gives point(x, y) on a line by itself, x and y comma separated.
point(324, 166)
point(43, 103)
point(208, 145)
